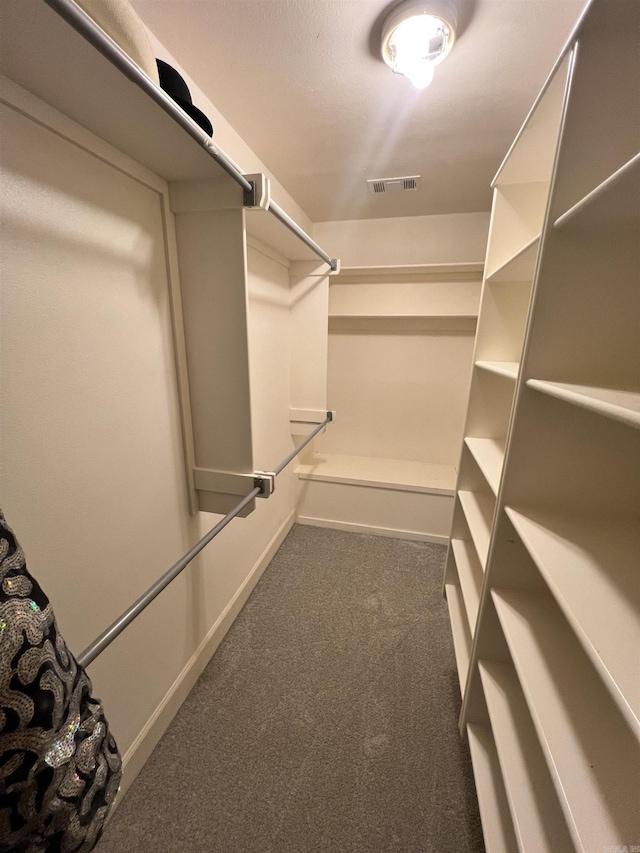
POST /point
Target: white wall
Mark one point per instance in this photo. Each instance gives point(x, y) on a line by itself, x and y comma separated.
point(402, 395)
point(450, 238)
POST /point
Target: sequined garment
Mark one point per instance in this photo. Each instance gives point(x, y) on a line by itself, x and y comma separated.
point(59, 765)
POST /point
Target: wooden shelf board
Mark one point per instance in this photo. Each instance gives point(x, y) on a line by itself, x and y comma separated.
point(404, 475)
point(497, 826)
point(502, 368)
point(593, 570)
point(478, 509)
point(589, 747)
point(538, 820)
point(489, 454)
point(617, 403)
point(403, 322)
point(470, 575)
point(77, 80)
point(460, 631)
point(612, 204)
point(520, 266)
point(81, 83)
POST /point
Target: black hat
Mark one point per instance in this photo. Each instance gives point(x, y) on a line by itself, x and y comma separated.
point(174, 85)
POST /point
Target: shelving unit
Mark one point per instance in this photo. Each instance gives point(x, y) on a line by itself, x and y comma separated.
point(492, 798)
point(552, 453)
point(122, 116)
point(394, 333)
point(537, 819)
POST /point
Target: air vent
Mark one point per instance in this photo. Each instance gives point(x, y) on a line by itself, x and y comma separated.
point(393, 185)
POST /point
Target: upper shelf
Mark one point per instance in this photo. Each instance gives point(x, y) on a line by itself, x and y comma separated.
point(415, 272)
point(617, 403)
point(45, 55)
point(402, 322)
point(508, 369)
point(612, 204)
point(519, 267)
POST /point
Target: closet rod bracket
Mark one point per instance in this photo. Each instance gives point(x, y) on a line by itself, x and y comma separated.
point(258, 197)
point(266, 482)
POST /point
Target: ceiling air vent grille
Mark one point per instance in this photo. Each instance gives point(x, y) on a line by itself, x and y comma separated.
point(393, 185)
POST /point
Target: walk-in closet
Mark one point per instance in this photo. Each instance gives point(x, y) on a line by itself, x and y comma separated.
point(319, 426)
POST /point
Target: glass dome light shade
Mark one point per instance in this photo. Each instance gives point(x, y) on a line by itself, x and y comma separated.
point(417, 35)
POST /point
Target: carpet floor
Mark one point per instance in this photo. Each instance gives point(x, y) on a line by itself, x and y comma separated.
point(326, 720)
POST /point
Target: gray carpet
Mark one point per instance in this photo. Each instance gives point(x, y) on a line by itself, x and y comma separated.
point(326, 721)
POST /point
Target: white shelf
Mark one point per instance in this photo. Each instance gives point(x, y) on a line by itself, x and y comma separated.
point(81, 83)
point(620, 404)
point(478, 509)
point(409, 270)
point(537, 817)
point(508, 369)
point(460, 630)
point(471, 575)
point(592, 568)
point(84, 85)
point(398, 474)
point(489, 454)
point(402, 322)
point(613, 204)
point(520, 266)
point(590, 750)
point(497, 826)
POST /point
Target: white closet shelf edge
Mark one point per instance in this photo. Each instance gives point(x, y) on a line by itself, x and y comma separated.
point(497, 826)
point(591, 568)
point(508, 369)
point(617, 403)
point(587, 745)
point(536, 813)
point(613, 202)
point(460, 631)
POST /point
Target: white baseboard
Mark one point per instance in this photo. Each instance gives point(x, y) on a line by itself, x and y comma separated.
point(135, 757)
point(374, 531)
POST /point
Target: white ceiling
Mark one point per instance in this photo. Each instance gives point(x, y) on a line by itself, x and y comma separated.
point(302, 82)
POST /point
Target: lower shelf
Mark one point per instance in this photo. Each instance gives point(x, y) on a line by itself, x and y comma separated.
point(387, 497)
point(497, 826)
point(590, 750)
point(537, 817)
point(403, 475)
point(462, 639)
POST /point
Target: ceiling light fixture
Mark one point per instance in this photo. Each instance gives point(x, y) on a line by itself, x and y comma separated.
point(417, 35)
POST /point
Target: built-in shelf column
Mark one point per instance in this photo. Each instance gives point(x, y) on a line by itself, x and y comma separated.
point(212, 256)
point(309, 306)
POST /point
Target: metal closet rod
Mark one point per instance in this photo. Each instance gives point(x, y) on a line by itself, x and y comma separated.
point(116, 628)
point(83, 24)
